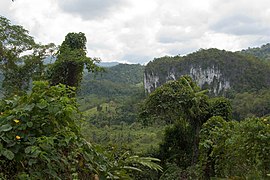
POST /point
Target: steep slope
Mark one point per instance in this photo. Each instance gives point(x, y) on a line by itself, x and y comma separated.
point(216, 70)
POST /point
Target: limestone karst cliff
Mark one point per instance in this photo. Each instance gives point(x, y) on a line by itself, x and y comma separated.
point(213, 69)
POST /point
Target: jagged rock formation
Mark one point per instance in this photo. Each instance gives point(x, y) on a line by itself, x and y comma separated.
point(211, 77)
point(213, 69)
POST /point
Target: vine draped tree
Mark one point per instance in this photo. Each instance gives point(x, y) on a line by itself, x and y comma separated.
point(183, 104)
point(71, 60)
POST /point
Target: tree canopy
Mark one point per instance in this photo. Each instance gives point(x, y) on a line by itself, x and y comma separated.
point(21, 59)
point(187, 107)
point(71, 60)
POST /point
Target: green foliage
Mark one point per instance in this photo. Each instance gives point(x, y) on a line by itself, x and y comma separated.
point(183, 99)
point(39, 135)
point(119, 80)
point(71, 60)
point(187, 107)
point(131, 137)
point(221, 107)
point(21, 59)
point(114, 112)
point(122, 162)
point(176, 147)
point(40, 138)
point(173, 100)
point(110, 90)
point(250, 104)
point(175, 172)
point(118, 91)
point(262, 52)
point(122, 73)
point(235, 149)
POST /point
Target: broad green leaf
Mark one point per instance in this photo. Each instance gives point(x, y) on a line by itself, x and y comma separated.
point(8, 154)
point(5, 128)
point(28, 149)
point(4, 138)
point(29, 124)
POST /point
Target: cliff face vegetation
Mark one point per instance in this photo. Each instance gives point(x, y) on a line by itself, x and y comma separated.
point(219, 71)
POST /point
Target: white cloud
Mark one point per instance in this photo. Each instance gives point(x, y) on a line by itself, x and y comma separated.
point(137, 31)
point(91, 9)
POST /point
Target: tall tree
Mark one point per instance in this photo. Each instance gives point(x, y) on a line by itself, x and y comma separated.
point(71, 60)
point(21, 59)
point(183, 101)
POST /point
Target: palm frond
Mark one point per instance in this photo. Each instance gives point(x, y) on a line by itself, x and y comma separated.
point(145, 161)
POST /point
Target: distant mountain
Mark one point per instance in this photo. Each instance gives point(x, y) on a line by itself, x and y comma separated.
point(219, 71)
point(51, 59)
point(262, 52)
point(107, 64)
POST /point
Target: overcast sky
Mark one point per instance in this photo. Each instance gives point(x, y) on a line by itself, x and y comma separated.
point(136, 31)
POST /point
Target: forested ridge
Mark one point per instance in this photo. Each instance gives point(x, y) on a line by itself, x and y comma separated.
point(73, 119)
point(262, 52)
point(243, 72)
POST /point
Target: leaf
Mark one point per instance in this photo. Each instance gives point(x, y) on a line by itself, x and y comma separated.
point(145, 161)
point(29, 107)
point(5, 128)
point(8, 154)
point(132, 168)
point(4, 138)
point(32, 161)
point(43, 104)
point(28, 149)
point(29, 124)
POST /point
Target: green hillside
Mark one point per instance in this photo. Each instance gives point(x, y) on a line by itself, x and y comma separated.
point(119, 80)
point(112, 96)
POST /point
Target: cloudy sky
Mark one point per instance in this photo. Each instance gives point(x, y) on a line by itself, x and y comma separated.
point(136, 31)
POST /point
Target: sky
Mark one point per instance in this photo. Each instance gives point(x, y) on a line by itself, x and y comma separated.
point(137, 31)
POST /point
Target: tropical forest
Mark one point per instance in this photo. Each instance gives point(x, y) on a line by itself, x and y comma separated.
point(64, 115)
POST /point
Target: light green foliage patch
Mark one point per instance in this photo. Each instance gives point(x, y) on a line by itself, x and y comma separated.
point(134, 137)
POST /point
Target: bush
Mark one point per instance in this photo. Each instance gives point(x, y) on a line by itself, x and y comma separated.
point(39, 134)
point(235, 149)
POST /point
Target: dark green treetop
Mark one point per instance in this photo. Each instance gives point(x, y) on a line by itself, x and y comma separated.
point(71, 60)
